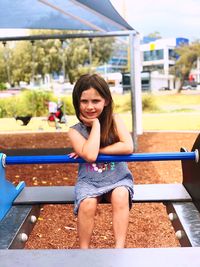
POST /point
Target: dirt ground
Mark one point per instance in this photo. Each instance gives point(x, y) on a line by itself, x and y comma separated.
point(56, 228)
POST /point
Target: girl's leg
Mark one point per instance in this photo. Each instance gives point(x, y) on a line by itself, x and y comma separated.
point(120, 207)
point(86, 214)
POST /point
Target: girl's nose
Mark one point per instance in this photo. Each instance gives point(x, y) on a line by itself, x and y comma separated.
point(90, 105)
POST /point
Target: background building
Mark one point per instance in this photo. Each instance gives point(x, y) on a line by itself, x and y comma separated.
point(157, 57)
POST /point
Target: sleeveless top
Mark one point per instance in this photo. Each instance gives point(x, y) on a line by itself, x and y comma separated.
point(100, 178)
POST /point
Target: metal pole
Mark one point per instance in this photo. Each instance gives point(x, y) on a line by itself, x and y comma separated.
point(6, 58)
point(63, 59)
point(65, 36)
point(90, 53)
point(33, 62)
point(162, 156)
point(135, 82)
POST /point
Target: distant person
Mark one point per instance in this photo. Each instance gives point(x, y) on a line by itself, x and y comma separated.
point(100, 131)
point(52, 120)
point(52, 106)
point(60, 114)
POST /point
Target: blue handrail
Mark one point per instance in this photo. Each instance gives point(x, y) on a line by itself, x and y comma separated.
point(48, 159)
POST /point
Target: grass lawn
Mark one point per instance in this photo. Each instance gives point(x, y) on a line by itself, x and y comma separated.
point(176, 112)
point(172, 121)
point(151, 122)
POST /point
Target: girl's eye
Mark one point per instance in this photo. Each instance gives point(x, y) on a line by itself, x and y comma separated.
point(96, 101)
point(84, 101)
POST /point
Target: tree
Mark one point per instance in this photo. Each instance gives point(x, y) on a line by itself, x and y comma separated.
point(22, 62)
point(3, 76)
point(187, 58)
point(154, 35)
point(78, 58)
point(55, 56)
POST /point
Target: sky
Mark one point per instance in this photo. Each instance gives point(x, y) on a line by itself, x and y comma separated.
point(171, 18)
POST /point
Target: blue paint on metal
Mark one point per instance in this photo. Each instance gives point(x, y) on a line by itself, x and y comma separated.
point(11, 160)
point(8, 192)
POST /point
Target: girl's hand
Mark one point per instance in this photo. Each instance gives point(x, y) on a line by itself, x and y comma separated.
point(73, 155)
point(87, 121)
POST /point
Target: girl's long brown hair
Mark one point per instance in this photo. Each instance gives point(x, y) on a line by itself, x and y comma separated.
point(108, 130)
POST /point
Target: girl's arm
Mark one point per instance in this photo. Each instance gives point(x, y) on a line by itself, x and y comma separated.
point(87, 149)
point(125, 144)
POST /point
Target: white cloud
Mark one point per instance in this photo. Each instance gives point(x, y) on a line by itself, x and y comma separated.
point(172, 18)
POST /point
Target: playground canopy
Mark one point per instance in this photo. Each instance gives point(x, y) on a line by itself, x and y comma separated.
point(81, 15)
point(92, 18)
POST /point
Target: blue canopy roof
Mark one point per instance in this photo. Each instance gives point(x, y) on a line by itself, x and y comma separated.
point(98, 15)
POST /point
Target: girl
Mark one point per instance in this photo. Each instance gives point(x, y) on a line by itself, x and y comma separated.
point(100, 131)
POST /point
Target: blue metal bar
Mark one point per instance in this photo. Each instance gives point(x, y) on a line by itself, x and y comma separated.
point(162, 156)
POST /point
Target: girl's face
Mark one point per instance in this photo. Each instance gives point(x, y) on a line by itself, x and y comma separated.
point(91, 103)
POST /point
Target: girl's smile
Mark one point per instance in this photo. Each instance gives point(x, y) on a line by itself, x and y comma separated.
point(91, 103)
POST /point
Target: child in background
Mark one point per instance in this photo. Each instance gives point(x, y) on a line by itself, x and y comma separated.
point(100, 131)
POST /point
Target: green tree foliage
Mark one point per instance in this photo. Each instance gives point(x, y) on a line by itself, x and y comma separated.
point(155, 34)
point(27, 59)
point(22, 62)
point(77, 55)
point(188, 55)
point(34, 102)
point(3, 76)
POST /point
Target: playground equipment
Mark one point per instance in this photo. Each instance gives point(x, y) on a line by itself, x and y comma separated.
point(20, 206)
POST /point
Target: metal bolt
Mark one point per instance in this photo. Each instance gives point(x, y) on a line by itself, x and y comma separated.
point(3, 159)
point(23, 237)
point(180, 234)
point(172, 216)
point(196, 155)
point(33, 219)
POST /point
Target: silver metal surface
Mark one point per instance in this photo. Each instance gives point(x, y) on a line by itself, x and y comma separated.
point(65, 194)
point(16, 223)
point(190, 219)
point(138, 257)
